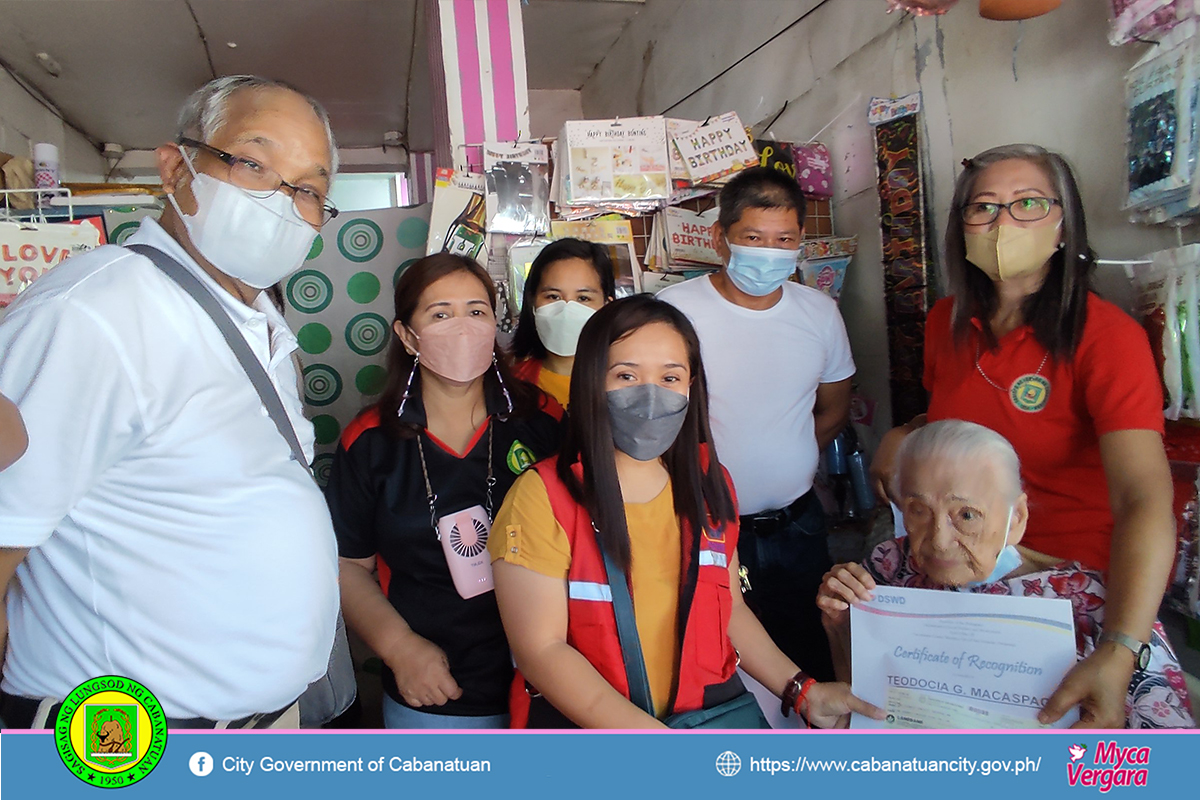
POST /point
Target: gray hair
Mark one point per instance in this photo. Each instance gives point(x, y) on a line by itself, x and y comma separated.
point(962, 442)
point(205, 110)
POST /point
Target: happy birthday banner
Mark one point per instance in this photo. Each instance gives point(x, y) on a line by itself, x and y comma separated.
point(902, 223)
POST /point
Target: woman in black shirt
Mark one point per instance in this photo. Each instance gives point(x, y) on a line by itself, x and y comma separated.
point(414, 483)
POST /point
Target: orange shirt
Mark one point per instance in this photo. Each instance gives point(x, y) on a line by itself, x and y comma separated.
point(1110, 385)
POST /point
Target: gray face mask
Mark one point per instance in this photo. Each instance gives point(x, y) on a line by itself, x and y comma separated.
point(646, 419)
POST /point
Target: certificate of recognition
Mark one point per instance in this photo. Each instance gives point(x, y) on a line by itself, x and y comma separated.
point(944, 659)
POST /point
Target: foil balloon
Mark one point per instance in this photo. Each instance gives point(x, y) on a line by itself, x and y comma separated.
point(1016, 9)
point(922, 8)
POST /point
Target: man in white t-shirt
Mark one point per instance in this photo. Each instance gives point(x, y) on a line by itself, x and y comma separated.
point(778, 366)
point(158, 527)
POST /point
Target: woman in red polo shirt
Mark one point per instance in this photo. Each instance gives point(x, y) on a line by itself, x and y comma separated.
point(1025, 347)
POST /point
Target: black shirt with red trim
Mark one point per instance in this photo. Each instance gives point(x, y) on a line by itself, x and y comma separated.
point(377, 498)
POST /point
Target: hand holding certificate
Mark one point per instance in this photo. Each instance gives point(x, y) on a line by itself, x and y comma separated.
point(945, 659)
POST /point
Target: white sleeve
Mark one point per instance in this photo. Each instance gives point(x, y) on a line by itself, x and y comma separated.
point(65, 369)
point(839, 363)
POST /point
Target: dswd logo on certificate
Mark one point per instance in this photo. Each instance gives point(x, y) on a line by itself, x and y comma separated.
point(110, 731)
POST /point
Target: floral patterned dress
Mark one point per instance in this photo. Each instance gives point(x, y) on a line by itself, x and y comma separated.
point(1157, 697)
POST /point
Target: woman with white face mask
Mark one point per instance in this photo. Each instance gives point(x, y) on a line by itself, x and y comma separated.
point(967, 517)
point(637, 507)
point(1024, 347)
point(412, 490)
point(569, 280)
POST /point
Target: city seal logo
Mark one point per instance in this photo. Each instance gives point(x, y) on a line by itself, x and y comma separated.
point(1029, 393)
point(110, 731)
point(520, 457)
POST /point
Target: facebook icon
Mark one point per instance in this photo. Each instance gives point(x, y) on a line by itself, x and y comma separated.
point(201, 764)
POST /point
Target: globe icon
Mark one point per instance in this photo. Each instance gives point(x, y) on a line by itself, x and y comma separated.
point(728, 763)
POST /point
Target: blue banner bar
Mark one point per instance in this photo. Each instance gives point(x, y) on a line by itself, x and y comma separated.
point(616, 766)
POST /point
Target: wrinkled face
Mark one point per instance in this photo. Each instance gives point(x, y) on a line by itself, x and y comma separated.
point(275, 129)
point(956, 515)
point(459, 294)
point(570, 279)
point(761, 227)
point(654, 353)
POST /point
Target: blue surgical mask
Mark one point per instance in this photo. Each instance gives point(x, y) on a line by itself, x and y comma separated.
point(1008, 560)
point(759, 271)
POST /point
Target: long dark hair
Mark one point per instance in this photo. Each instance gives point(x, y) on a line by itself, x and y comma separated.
point(413, 282)
point(1058, 310)
point(589, 438)
point(526, 343)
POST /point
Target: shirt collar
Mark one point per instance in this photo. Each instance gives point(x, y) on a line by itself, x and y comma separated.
point(152, 233)
point(414, 409)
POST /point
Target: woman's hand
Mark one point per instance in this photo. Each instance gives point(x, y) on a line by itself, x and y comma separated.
point(422, 672)
point(828, 705)
point(1098, 685)
point(842, 585)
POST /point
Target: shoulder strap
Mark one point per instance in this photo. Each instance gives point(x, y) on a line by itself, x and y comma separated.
point(631, 644)
point(233, 337)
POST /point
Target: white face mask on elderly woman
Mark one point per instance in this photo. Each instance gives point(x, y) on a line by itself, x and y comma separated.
point(256, 240)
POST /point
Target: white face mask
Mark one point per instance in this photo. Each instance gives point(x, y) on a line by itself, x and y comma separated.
point(258, 241)
point(559, 324)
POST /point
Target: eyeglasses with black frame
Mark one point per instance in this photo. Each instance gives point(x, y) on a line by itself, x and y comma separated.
point(1024, 209)
point(262, 182)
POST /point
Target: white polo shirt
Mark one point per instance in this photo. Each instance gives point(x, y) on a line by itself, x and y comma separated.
point(173, 538)
point(763, 368)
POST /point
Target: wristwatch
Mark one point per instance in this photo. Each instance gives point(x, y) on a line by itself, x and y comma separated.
point(1141, 650)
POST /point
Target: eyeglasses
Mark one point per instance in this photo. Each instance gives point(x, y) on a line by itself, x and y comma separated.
point(1027, 209)
point(262, 182)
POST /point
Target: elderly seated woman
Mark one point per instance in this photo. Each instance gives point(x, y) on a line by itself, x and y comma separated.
point(965, 513)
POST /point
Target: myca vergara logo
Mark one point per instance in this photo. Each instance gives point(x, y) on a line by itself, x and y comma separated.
point(110, 731)
point(1111, 766)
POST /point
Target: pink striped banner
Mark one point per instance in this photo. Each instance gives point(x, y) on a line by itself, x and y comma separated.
point(480, 84)
point(420, 177)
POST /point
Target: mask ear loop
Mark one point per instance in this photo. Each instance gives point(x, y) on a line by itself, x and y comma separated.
point(408, 386)
point(503, 388)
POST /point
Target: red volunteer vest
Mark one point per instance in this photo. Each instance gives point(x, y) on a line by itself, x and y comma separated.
point(707, 658)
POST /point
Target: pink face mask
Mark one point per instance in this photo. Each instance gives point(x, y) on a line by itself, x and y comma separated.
point(458, 349)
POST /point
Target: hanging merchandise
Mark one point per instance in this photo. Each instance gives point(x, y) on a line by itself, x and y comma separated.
point(518, 187)
point(1167, 304)
point(814, 169)
point(29, 250)
point(824, 262)
point(902, 219)
point(458, 219)
point(682, 239)
point(615, 160)
point(775, 155)
point(1160, 134)
point(716, 149)
point(520, 261)
point(1134, 20)
point(617, 237)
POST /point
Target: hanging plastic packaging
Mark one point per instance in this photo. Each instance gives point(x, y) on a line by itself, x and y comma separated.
point(518, 187)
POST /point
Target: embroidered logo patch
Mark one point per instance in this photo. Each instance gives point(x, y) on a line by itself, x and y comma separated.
point(1030, 393)
point(520, 457)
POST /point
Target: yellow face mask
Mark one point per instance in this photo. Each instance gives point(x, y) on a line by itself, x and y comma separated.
point(1007, 252)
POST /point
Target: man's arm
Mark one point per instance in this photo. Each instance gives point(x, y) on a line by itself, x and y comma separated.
point(10, 558)
point(831, 411)
point(13, 439)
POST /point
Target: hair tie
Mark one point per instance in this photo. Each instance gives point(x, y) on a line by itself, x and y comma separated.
point(968, 162)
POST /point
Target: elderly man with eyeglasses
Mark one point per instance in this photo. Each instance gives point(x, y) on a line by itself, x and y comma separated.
point(159, 526)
